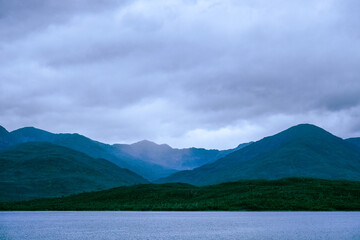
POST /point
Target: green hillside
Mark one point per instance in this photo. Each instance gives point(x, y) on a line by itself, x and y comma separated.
point(85, 145)
point(301, 151)
point(33, 170)
point(257, 195)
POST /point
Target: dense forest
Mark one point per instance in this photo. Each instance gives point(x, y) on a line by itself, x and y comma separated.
point(293, 194)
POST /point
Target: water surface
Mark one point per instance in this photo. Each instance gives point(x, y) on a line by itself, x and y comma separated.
point(180, 225)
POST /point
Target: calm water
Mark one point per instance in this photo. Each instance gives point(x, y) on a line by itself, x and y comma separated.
point(180, 225)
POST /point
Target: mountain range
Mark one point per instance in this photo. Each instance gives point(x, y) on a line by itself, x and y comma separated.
point(174, 158)
point(148, 159)
point(36, 163)
point(301, 151)
point(85, 145)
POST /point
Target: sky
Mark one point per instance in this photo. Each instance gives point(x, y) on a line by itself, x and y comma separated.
point(209, 73)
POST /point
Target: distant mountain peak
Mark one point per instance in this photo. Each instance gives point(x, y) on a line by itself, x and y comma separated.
point(147, 143)
point(305, 126)
point(304, 150)
point(144, 142)
point(30, 130)
point(305, 130)
point(30, 134)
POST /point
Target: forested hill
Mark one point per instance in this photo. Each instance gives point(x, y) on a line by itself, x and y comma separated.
point(258, 195)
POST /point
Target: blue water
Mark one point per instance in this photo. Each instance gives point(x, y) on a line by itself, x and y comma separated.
point(180, 225)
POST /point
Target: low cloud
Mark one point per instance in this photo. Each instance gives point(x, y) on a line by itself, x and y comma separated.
point(189, 73)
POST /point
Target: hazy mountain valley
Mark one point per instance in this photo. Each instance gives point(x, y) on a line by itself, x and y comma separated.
point(39, 164)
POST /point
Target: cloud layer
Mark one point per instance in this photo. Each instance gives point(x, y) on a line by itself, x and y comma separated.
point(189, 73)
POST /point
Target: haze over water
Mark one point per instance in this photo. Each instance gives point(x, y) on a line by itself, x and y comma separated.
point(179, 225)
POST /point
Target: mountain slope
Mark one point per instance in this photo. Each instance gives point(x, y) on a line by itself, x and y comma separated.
point(355, 141)
point(180, 159)
point(301, 151)
point(5, 138)
point(3, 131)
point(38, 169)
point(92, 148)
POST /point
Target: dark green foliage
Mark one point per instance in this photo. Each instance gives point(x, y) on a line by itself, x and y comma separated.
point(301, 151)
point(258, 195)
point(33, 170)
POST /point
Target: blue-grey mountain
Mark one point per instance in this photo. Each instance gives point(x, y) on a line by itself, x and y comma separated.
point(146, 158)
point(301, 151)
point(180, 159)
point(85, 145)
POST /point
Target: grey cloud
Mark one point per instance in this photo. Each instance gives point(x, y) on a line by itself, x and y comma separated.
point(19, 18)
point(173, 71)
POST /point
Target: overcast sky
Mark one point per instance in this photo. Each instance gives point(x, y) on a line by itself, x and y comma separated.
point(188, 73)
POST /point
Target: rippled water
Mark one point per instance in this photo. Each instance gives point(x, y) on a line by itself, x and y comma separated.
point(180, 225)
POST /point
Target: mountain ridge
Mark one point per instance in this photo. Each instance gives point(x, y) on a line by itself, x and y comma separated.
point(151, 160)
point(175, 158)
point(304, 150)
point(88, 146)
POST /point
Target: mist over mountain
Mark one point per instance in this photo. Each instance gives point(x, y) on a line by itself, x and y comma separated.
point(146, 158)
point(39, 169)
point(301, 151)
point(180, 159)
